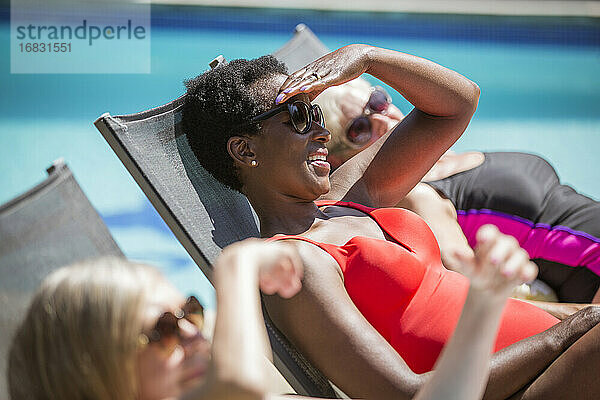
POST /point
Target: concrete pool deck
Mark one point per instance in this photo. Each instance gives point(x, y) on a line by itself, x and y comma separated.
point(548, 8)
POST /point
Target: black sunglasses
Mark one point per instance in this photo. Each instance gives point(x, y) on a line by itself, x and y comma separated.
point(166, 329)
point(302, 115)
point(359, 131)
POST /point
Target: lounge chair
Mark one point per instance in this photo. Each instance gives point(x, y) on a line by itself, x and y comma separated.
point(204, 215)
point(49, 226)
point(301, 49)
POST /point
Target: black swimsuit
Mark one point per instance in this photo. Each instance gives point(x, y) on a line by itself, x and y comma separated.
point(521, 194)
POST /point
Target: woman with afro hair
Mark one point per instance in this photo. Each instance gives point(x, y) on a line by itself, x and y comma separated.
point(377, 306)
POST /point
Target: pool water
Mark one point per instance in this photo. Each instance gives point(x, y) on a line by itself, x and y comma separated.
point(540, 94)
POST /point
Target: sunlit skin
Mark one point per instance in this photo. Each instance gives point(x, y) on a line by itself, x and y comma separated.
point(282, 148)
point(283, 175)
point(439, 213)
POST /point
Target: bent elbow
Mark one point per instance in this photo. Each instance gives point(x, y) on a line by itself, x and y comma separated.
point(466, 101)
point(476, 93)
point(416, 382)
point(471, 98)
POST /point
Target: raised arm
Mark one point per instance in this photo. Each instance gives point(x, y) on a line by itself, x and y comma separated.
point(444, 103)
point(473, 340)
point(240, 340)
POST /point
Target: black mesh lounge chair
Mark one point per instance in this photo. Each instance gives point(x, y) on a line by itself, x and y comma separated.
point(204, 215)
point(301, 49)
point(51, 225)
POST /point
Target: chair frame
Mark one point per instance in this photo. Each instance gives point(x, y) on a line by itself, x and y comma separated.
point(300, 374)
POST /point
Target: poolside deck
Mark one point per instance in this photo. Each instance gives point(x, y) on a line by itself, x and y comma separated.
point(555, 8)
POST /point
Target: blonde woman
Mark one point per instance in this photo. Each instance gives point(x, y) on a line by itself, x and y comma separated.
point(113, 329)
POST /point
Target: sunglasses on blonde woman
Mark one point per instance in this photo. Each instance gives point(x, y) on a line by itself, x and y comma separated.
point(166, 331)
point(358, 132)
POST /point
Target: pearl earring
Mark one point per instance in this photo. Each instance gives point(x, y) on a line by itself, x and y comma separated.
point(254, 163)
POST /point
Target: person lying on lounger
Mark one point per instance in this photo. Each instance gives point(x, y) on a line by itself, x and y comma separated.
point(518, 192)
point(377, 306)
point(114, 329)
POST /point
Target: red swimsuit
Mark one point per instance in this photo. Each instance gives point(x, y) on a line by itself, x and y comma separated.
point(403, 290)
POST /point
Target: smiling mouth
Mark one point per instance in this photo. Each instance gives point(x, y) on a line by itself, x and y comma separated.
point(319, 164)
point(317, 157)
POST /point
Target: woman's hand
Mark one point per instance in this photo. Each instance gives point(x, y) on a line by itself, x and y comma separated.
point(332, 69)
point(280, 269)
point(278, 265)
point(498, 264)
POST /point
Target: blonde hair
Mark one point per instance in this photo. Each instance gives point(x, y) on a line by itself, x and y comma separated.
point(330, 101)
point(79, 337)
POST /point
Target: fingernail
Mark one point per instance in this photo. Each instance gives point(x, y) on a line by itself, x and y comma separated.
point(303, 88)
point(279, 98)
point(287, 90)
point(494, 260)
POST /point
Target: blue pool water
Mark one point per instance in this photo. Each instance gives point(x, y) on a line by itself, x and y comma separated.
point(539, 79)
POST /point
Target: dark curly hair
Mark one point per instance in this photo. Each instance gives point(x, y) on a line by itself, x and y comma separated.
point(218, 102)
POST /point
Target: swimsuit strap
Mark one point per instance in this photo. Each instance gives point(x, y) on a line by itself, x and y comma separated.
point(360, 207)
point(339, 253)
point(321, 203)
point(386, 218)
